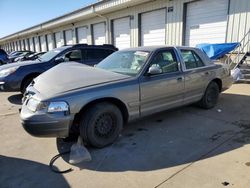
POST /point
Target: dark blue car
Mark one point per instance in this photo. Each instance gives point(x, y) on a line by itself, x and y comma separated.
point(3, 57)
point(17, 76)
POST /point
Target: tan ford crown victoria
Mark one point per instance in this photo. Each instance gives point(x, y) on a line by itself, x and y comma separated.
point(129, 84)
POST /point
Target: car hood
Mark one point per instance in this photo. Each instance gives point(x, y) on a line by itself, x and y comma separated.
point(71, 76)
point(18, 64)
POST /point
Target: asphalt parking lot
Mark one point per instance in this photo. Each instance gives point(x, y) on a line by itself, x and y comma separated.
point(185, 147)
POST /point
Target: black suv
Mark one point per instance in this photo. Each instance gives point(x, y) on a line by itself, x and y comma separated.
point(17, 76)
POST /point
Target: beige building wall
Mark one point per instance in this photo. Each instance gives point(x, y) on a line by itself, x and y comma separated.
point(238, 21)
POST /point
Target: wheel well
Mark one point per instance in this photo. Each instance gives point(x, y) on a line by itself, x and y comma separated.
point(32, 75)
point(114, 101)
point(219, 82)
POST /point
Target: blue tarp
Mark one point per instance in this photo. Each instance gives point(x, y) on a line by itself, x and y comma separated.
point(216, 51)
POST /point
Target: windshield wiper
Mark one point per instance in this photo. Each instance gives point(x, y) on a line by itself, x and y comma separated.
point(39, 59)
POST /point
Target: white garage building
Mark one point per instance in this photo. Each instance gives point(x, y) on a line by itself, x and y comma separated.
point(132, 23)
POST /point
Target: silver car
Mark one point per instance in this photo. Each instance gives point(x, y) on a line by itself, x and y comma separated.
point(129, 84)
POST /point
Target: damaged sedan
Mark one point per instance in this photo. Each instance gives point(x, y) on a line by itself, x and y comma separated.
point(127, 85)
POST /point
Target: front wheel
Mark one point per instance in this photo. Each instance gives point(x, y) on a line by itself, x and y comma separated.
point(101, 124)
point(25, 84)
point(210, 98)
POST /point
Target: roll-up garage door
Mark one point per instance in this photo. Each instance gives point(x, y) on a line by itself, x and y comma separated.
point(58, 39)
point(82, 35)
point(27, 44)
point(31, 44)
point(17, 45)
point(121, 33)
point(50, 42)
point(15, 48)
point(99, 33)
point(37, 45)
point(206, 22)
point(7, 47)
point(43, 44)
point(68, 37)
point(153, 28)
point(22, 45)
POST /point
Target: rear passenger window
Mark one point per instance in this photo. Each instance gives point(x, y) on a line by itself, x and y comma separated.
point(191, 59)
point(97, 54)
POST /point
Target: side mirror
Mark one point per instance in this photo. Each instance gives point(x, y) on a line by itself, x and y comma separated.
point(59, 60)
point(154, 69)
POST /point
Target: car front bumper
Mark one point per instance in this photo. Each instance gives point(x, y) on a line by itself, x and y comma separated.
point(2, 86)
point(45, 124)
point(7, 84)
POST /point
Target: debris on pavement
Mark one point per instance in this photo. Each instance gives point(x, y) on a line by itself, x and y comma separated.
point(219, 110)
point(78, 153)
point(51, 164)
point(236, 74)
point(225, 183)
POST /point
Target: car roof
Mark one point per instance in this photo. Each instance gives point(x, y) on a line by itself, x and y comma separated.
point(153, 48)
point(104, 46)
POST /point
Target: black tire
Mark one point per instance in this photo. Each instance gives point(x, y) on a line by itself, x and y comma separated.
point(211, 96)
point(25, 84)
point(1, 63)
point(101, 125)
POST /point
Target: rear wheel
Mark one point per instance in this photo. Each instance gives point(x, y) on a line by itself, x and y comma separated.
point(1, 63)
point(101, 124)
point(210, 98)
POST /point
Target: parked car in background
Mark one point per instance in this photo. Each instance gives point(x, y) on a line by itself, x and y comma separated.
point(3, 57)
point(22, 55)
point(16, 54)
point(17, 76)
point(127, 85)
point(33, 56)
point(11, 53)
point(29, 56)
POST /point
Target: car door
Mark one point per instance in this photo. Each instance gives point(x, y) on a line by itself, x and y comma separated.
point(164, 90)
point(196, 75)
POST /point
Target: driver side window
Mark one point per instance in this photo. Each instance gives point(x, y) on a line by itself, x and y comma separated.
point(166, 61)
point(74, 55)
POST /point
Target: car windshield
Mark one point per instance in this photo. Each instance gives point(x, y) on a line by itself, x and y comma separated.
point(51, 54)
point(125, 62)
